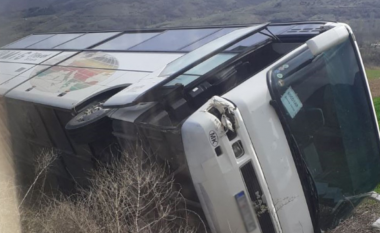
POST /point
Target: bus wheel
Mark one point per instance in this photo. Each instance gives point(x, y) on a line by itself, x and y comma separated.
point(90, 125)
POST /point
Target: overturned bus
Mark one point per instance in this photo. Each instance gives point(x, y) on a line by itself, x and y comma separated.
point(279, 114)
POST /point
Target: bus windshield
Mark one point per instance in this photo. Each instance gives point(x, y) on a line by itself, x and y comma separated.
point(325, 103)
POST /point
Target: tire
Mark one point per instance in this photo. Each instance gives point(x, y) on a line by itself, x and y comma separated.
point(89, 126)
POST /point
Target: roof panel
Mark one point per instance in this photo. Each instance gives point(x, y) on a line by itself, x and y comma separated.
point(144, 62)
point(86, 41)
point(126, 41)
point(207, 49)
point(182, 79)
point(209, 38)
point(54, 41)
point(201, 69)
point(211, 63)
point(279, 29)
point(27, 41)
point(248, 42)
point(59, 58)
point(24, 56)
point(258, 38)
point(173, 40)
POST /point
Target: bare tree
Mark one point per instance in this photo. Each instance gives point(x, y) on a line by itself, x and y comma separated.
point(133, 194)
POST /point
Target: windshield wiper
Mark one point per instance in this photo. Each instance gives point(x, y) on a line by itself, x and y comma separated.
point(374, 195)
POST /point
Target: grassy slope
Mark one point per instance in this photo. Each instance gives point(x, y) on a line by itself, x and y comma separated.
point(373, 73)
point(376, 102)
point(121, 14)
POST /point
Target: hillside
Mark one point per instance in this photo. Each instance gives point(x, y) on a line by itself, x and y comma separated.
point(8, 6)
point(36, 16)
point(363, 16)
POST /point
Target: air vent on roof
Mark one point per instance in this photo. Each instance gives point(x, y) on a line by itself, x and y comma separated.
point(304, 29)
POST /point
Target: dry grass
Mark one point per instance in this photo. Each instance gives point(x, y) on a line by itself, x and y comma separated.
point(43, 162)
point(133, 194)
point(362, 219)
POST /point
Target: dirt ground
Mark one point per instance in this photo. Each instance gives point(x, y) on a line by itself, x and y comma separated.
point(375, 87)
point(360, 222)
